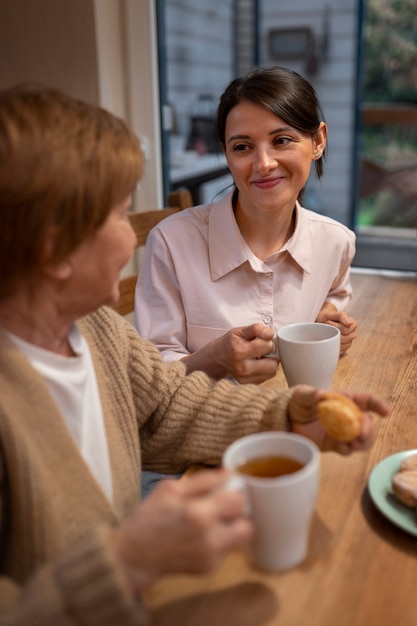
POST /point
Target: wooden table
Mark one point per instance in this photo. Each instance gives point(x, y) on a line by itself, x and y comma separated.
point(361, 570)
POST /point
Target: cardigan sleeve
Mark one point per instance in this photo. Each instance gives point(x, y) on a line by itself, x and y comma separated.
point(182, 419)
point(85, 586)
point(192, 418)
point(199, 424)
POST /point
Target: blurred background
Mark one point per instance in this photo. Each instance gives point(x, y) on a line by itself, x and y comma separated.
point(162, 65)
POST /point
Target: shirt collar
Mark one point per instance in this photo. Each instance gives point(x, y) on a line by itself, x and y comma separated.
point(299, 245)
point(227, 248)
point(225, 242)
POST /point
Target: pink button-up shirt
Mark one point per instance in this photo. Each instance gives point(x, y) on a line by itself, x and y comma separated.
point(198, 277)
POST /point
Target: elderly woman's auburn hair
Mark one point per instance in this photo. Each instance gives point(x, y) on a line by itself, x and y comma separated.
point(64, 164)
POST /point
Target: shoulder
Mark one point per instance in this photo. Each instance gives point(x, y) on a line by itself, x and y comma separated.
point(130, 364)
point(193, 218)
point(111, 334)
point(327, 225)
point(103, 323)
point(182, 219)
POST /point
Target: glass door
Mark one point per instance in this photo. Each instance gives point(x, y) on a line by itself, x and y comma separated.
point(386, 199)
point(196, 61)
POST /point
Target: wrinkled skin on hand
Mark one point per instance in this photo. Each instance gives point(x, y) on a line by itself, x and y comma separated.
point(183, 526)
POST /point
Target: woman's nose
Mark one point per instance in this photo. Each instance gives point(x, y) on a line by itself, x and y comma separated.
point(265, 160)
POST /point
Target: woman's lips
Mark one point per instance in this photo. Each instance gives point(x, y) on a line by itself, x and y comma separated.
point(267, 183)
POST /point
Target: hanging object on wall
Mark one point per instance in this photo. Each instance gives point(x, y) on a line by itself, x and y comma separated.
point(301, 44)
point(291, 43)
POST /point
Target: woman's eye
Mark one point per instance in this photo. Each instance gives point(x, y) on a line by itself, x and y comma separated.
point(239, 147)
point(282, 141)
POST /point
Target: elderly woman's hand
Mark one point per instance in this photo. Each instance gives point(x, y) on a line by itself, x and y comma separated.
point(183, 526)
point(304, 420)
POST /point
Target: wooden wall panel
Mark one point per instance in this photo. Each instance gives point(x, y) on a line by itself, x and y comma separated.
point(49, 41)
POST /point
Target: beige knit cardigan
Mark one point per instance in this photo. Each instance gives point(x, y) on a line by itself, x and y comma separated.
point(56, 568)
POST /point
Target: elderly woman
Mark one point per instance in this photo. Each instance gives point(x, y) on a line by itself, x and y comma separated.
point(84, 400)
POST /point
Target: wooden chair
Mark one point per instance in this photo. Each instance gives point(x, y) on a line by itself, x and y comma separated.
point(142, 223)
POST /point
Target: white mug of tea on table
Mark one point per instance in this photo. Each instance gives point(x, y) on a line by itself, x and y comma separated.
point(309, 353)
point(279, 474)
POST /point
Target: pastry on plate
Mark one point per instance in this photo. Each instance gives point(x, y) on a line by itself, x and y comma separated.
point(404, 482)
point(409, 463)
point(404, 486)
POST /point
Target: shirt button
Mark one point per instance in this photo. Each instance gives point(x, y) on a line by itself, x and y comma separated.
point(267, 319)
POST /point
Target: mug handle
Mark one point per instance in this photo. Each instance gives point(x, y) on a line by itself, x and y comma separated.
point(237, 483)
point(275, 353)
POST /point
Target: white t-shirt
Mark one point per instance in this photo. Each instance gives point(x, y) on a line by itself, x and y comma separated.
point(73, 385)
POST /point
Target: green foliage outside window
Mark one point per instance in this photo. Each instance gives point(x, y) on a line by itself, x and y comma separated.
point(390, 76)
point(391, 51)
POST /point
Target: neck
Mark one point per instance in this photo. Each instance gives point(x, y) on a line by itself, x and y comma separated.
point(265, 232)
point(36, 321)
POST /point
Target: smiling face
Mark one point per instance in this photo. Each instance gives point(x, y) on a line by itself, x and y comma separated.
point(269, 160)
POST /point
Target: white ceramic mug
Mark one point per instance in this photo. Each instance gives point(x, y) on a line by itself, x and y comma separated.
point(309, 353)
point(282, 507)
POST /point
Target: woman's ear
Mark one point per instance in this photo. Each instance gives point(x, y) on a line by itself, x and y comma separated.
point(320, 141)
point(60, 270)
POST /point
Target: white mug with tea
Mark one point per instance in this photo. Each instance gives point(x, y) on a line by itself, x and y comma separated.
point(309, 353)
point(279, 474)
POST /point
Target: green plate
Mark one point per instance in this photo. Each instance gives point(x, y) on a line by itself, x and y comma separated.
point(380, 490)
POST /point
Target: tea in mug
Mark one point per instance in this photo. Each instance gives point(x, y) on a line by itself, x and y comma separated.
point(269, 466)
